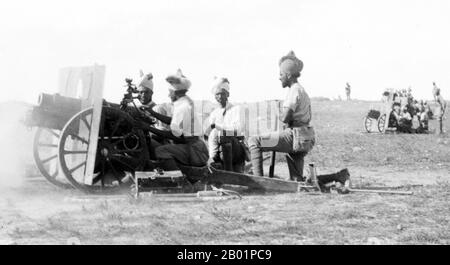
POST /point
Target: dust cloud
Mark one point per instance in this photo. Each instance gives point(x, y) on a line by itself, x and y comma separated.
point(16, 158)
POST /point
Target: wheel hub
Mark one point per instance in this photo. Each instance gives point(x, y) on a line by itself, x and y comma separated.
point(104, 152)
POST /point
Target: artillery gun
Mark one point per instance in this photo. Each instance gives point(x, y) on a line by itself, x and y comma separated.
point(63, 129)
point(50, 116)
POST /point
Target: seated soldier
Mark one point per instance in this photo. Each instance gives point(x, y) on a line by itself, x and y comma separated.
point(428, 110)
point(222, 127)
point(394, 116)
point(185, 128)
point(410, 107)
point(145, 97)
point(145, 90)
point(405, 122)
point(418, 105)
point(298, 139)
point(423, 121)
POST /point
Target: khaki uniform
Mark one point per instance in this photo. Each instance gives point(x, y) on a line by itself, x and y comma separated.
point(227, 118)
point(165, 109)
point(405, 123)
point(441, 111)
point(286, 141)
point(185, 123)
point(348, 91)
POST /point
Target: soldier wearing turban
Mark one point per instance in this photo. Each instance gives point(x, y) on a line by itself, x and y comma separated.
point(440, 111)
point(224, 121)
point(185, 128)
point(290, 64)
point(145, 89)
point(298, 138)
point(178, 81)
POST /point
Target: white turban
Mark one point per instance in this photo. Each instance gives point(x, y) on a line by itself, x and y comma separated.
point(147, 81)
point(220, 84)
point(178, 81)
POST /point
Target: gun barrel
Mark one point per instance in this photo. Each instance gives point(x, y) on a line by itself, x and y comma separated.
point(53, 111)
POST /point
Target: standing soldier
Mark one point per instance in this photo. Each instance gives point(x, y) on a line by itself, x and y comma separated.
point(298, 138)
point(185, 128)
point(435, 87)
point(442, 107)
point(348, 90)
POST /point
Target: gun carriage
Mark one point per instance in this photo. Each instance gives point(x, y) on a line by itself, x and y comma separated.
point(124, 155)
point(63, 129)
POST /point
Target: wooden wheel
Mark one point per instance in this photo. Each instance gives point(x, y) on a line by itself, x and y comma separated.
point(45, 153)
point(382, 123)
point(121, 150)
point(368, 124)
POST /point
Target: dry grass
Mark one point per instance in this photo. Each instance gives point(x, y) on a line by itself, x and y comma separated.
point(41, 214)
point(270, 219)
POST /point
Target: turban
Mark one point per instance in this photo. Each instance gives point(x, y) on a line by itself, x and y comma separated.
point(178, 81)
point(147, 81)
point(220, 84)
point(290, 64)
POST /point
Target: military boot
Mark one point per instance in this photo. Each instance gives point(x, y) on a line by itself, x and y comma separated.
point(342, 177)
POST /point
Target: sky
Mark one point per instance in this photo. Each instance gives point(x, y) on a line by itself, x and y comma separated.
point(373, 45)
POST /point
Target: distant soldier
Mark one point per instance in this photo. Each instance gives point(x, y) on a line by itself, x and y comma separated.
point(298, 138)
point(435, 87)
point(442, 107)
point(423, 120)
point(428, 110)
point(348, 91)
point(409, 92)
point(405, 121)
point(394, 116)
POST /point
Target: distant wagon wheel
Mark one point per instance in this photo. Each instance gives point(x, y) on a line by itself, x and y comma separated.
point(45, 153)
point(368, 124)
point(382, 123)
point(120, 151)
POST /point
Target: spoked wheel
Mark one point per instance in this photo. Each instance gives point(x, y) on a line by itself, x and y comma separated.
point(121, 150)
point(45, 153)
point(368, 124)
point(382, 123)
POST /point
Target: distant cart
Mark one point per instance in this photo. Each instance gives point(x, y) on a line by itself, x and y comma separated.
point(375, 117)
point(382, 118)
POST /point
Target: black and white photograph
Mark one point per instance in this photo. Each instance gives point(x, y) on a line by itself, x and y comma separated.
point(224, 123)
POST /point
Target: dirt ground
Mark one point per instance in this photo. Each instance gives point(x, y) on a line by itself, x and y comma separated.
point(38, 213)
